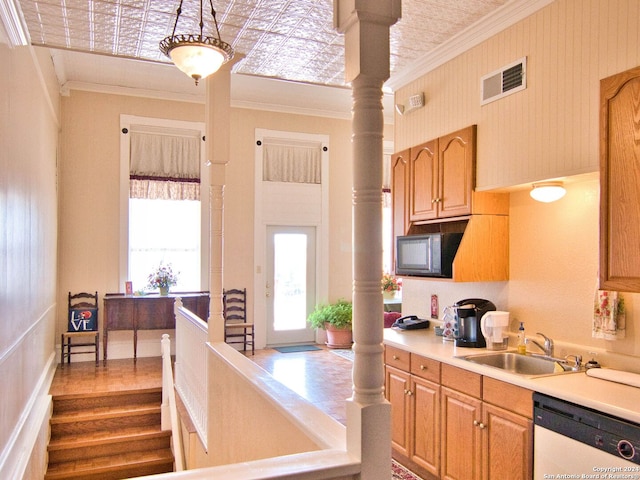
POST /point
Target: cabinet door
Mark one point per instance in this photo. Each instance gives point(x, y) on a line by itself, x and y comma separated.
point(619, 186)
point(118, 313)
point(457, 153)
point(396, 391)
point(424, 190)
point(155, 313)
point(425, 412)
point(461, 436)
point(507, 445)
point(400, 192)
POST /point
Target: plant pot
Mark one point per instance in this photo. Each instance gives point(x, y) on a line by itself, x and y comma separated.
point(388, 295)
point(164, 291)
point(339, 337)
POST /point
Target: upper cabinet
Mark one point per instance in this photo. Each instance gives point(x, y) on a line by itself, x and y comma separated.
point(620, 182)
point(433, 190)
point(441, 178)
point(400, 191)
point(423, 182)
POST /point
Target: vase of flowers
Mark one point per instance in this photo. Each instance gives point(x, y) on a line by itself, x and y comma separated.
point(163, 278)
point(390, 286)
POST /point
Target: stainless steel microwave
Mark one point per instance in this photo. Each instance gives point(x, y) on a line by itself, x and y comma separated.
point(427, 255)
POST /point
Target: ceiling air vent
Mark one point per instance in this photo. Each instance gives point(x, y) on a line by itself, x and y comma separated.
point(509, 79)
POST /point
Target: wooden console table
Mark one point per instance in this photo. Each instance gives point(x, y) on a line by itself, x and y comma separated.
point(148, 312)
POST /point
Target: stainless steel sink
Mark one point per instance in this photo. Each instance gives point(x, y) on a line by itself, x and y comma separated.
point(528, 365)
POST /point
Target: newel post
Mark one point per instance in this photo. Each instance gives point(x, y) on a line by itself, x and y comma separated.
point(365, 24)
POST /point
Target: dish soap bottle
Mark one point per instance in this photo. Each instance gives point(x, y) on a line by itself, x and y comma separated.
point(522, 344)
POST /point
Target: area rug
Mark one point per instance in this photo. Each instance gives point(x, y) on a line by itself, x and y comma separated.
point(297, 348)
point(398, 472)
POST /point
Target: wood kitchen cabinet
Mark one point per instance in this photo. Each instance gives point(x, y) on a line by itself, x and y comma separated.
point(442, 176)
point(619, 186)
point(450, 423)
point(433, 190)
point(487, 428)
point(400, 191)
point(424, 185)
point(413, 390)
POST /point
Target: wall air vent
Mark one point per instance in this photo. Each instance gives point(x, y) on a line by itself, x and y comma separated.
point(509, 79)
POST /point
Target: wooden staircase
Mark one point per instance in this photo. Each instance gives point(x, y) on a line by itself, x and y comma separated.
point(108, 436)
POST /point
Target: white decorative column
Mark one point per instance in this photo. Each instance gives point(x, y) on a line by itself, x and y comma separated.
point(365, 24)
point(218, 144)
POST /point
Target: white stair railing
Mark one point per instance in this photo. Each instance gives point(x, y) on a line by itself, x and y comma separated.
point(169, 411)
point(191, 367)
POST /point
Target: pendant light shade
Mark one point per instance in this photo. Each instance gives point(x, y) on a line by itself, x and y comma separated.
point(547, 191)
point(197, 55)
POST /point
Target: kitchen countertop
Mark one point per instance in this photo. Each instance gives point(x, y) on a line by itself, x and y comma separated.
point(610, 397)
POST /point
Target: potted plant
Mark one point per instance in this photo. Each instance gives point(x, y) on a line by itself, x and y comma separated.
point(336, 319)
point(390, 285)
point(163, 278)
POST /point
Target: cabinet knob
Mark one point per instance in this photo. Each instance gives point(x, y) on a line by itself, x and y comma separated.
point(408, 392)
point(422, 367)
point(479, 424)
point(395, 357)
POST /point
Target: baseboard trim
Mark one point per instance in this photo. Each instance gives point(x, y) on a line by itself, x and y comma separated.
point(27, 438)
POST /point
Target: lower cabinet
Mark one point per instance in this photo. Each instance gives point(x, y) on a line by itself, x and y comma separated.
point(457, 425)
point(461, 436)
point(413, 388)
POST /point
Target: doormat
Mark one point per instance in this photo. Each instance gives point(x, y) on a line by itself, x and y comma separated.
point(348, 354)
point(297, 348)
point(398, 472)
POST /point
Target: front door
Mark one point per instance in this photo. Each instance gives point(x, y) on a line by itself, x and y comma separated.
point(291, 284)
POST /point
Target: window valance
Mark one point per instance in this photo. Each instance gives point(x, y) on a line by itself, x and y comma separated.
point(291, 163)
point(164, 166)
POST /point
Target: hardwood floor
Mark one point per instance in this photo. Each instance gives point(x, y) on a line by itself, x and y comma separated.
point(112, 376)
point(323, 377)
point(106, 421)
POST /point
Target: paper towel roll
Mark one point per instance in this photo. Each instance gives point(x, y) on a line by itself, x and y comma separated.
point(618, 376)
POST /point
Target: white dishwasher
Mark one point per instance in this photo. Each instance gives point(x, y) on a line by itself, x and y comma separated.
point(571, 441)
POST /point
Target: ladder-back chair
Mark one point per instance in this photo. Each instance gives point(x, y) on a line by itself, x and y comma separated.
point(237, 330)
point(82, 326)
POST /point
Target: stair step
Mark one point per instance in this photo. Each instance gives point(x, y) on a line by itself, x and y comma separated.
point(81, 401)
point(113, 467)
point(100, 444)
point(104, 418)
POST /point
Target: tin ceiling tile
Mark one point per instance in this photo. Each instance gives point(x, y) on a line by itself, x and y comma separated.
point(289, 39)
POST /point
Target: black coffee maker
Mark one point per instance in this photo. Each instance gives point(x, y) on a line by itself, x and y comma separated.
point(469, 312)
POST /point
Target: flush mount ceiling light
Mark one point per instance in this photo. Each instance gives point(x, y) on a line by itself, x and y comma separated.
point(547, 191)
point(197, 55)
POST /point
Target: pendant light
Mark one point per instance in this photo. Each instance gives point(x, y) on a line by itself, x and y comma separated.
point(197, 55)
point(547, 191)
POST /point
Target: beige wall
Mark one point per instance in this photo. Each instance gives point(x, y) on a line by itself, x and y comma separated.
point(548, 130)
point(28, 220)
point(89, 170)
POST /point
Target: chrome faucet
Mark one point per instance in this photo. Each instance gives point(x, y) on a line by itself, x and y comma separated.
point(547, 348)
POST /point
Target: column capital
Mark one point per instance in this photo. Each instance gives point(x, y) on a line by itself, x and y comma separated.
point(365, 24)
point(348, 12)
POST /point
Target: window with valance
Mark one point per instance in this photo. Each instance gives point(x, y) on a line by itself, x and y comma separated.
point(164, 206)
